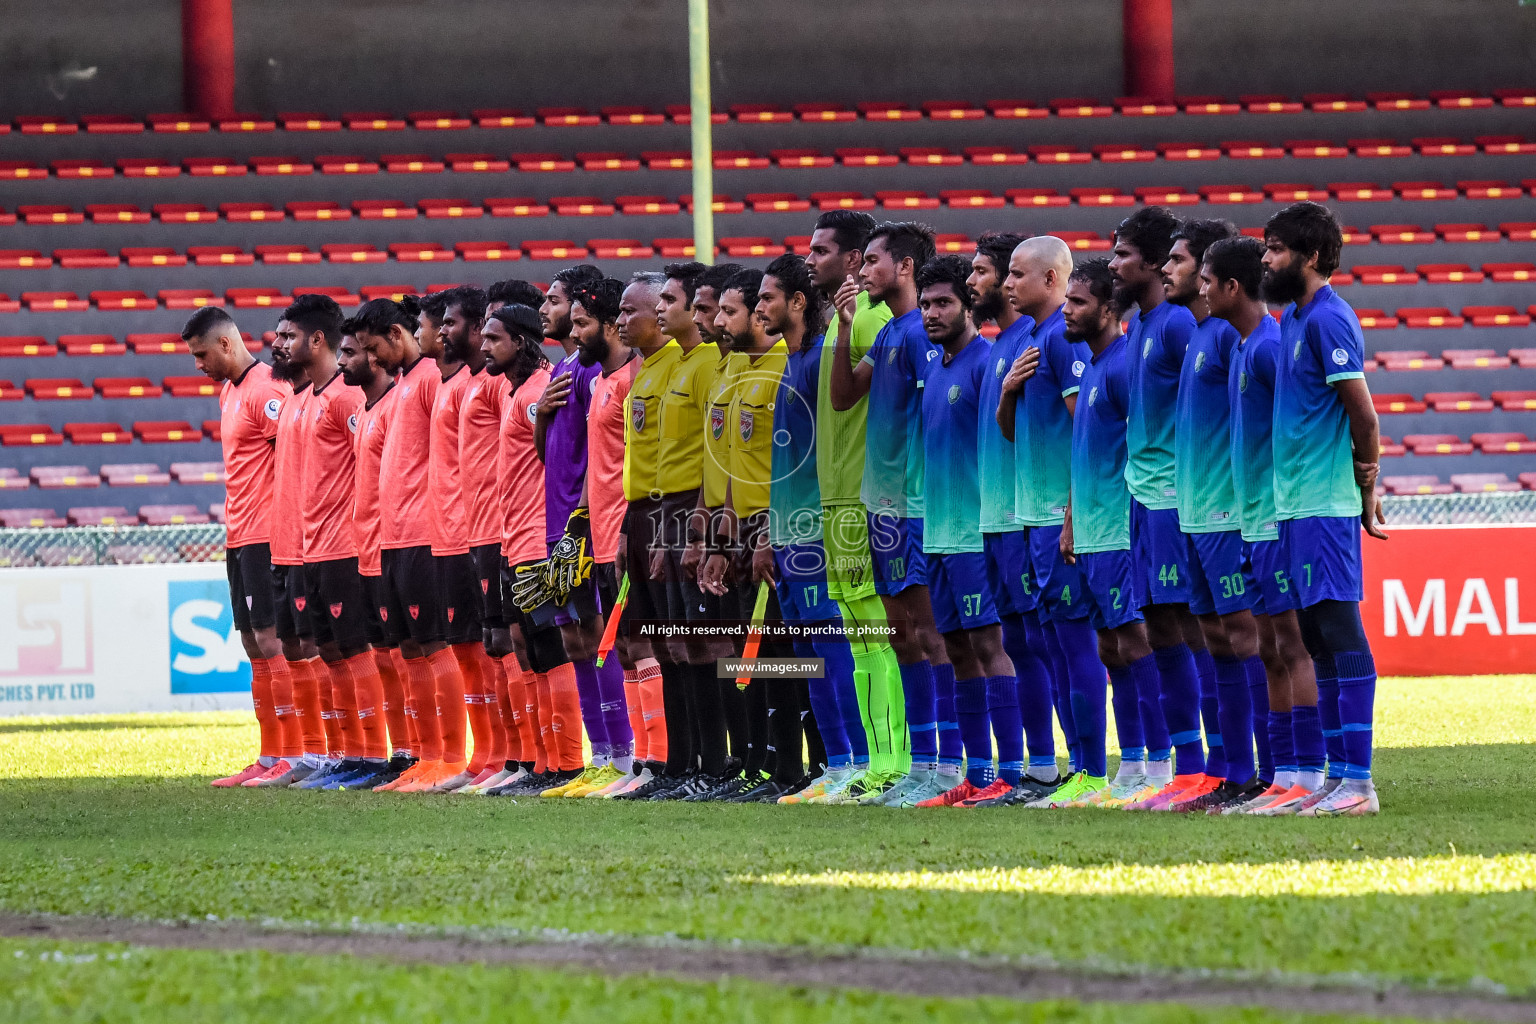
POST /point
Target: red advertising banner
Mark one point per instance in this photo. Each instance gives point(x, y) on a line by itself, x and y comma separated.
point(1446, 600)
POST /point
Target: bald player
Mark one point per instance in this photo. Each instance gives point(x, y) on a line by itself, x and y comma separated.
point(250, 403)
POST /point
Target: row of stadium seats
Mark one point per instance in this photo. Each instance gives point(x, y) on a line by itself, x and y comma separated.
point(744, 159)
point(752, 113)
point(123, 474)
point(19, 435)
point(1460, 483)
point(1506, 442)
point(109, 515)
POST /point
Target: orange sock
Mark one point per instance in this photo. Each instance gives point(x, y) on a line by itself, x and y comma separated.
point(370, 704)
point(449, 684)
point(474, 667)
point(306, 702)
point(501, 737)
point(290, 740)
point(261, 704)
point(632, 706)
point(422, 707)
point(565, 717)
point(344, 697)
point(648, 670)
point(393, 704)
point(543, 708)
point(335, 743)
point(523, 727)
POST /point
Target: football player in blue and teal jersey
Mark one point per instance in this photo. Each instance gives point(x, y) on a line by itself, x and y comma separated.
point(1157, 334)
point(1326, 446)
point(891, 375)
point(1005, 540)
point(1221, 593)
point(1097, 536)
point(1035, 408)
point(1286, 728)
point(986, 692)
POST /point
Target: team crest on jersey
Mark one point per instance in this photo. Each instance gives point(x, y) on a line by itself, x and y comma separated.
point(1242, 381)
point(352, 423)
point(890, 357)
point(1146, 349)
point(637, 414)
point(533, 412)
point(999, 371)
point(954, 393)
point(1093, 394)
point(414, 609)
point(485, 586)
point(272, 408)
point(716, 422)
point(1199, 361)
point(745, 425)
point(336, 610)
point(299, 603)
point(1077, 367)
point(933, 354)
point(383, 614)
point(1296, 352)
point(450, 613)
point(1340, 357)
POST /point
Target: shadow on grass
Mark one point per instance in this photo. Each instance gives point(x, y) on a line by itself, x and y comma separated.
point(108, 724)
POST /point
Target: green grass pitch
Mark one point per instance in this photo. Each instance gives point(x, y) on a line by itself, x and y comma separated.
point(113, 817)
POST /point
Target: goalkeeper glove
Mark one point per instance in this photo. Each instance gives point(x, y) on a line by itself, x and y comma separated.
point(570, 563)
point(529, 589)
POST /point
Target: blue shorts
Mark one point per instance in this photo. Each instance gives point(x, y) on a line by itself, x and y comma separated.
point(1009, 573)
point(1162, 555)
point(802, 585)
point(957, 586)
point(1059, 585)
point(1113, 588)
point(896, 548)
point(1218, 583)
point(1269, 566)
point(1324, 558)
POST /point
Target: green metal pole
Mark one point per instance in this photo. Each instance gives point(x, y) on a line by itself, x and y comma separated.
point(703, 143)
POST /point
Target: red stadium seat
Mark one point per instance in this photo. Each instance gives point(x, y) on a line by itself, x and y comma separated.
point(9, 392)
point(134, 474)
point(620, 248)
point(115, 213)
point(78, 259)
point(1379, 148)
point(341, 296)
point(1074, 106)
point(1201, 105)
point(1478, 483)
point(1394, 403)
point(971, 198)
point(288, 165)
point(1515, 401)
point(1315, 149)
point(191, 387)
point(888, 112)
point(161, 431)
point(676, 248)
point(183, 213)
point(1505, 144)
point(607, 161)
point(220, 255)
point(213, 167)
point(450, 209)
point(1384, 273)
point(549, 162)
point(1449, 273)
point(1503, 443)
point(411, 163)
point(91, 345)
point(188, 298)
point(502, 118)
point(64, 478)
point(1475, 359)
point(1244, 150)
point(1436, 444)
point(799, 158)
point(23, 434)
point(995, 155)
point(1429, 316)
point(286, 254)
point(46, 126)
point(667, 160)
point(369, 121)
point(18, 169)
point(1376, 319)
point(153, 256)
point(1084, 241)
point(51, 388)
point(842, 201)
point(1100, 196)
point(1058, 155)
point(82, 169)
point(641, 205)
point(631, 115)
point(102, 515)
point(930, 156)
point(1424, 190)
point(345, 252)
point(420, 252)
point(1495, 316)
point(1489, 189)
point(1415, 484)
point(1519, 231)
point(569, 117)
point(1232, 194)
point(751, 246)
point(347, 164)
point(126, 387)
point(1516, 97)
point(156, 344)
point(1017, 109)
point(863, 156)
point(1401, 234)
point(581, 206)
point(54, 302)
point(1467, 233)
point(1438, 145)
point(24, 259)
point(1457, 401)
point(1124, 154)
point(776, 202)
point(906, 199)
point(197, 472)
point(721, 204)
point(1510, 272)
point(519, 206)
point(49, 213)
point(177, 123)
point(257, 298)
point(122, 300)
point(250, 212)
point(1359, 192)
point(23, 518)
point(172, 515)
point(481, 252)
point(1409, 360)
point(954, 243)
point(386, 291)
point(823, 112)
point(438, 120)
point(97, 433)
point(559, 249)
point(1396, 101)
point(323, 210)
point(944, 110)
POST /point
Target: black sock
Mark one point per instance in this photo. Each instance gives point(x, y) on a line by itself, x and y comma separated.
point(711, 718)
point(784, 730)
point(674, 698)
point(755, 700)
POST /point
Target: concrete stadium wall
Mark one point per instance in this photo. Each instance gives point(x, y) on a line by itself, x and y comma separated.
point(124, 55)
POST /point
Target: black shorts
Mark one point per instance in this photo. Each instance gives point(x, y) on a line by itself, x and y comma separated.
point(293, 599)
point(372, 588)
point(647, 597)
point(605, 575)
point(488, 563)
point(252, 595)
point(463, 604)
point(410, 604)
point(685, 601)
point(338, 605)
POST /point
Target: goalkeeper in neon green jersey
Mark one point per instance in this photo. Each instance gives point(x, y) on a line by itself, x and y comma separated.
point(836, 251)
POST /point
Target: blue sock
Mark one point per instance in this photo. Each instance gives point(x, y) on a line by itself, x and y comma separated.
point(1258, 694)
point(1328, 710)
point(1128, 729)
point(1028, 649)
point(1281, 742)
point(1210, 713)
point(833, 649)
point(1307, 735)
point(829, 719)
point(1088, 714)
point(1236, 716)
point(1181, 706)
point(1061, 689)
point(1081, 668)
point(917, 688)
point(975, 729)
point(1154, 726)
point(951, 748)
point(1357, 703)
point(1007, 725)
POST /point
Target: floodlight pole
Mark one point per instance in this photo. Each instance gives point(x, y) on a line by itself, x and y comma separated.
point(703, 145)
